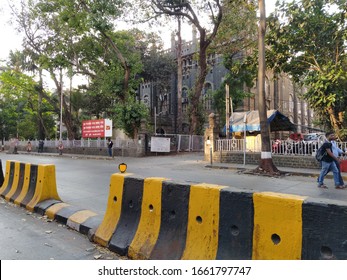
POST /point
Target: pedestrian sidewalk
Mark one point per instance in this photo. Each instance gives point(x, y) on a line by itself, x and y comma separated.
point(299, 171)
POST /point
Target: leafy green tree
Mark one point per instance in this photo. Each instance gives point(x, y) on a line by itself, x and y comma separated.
point(19, 107)
point(236, 36)
point(307, 39)
point(78, 38)
point(194, 12)
point(128, 116)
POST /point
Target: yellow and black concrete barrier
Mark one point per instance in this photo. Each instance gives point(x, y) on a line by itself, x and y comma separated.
point(34, 187)
point(1, 174)
point(155, 218)
point(28, 184)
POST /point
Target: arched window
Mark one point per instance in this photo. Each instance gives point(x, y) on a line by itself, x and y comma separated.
point(207, 96)
point(291, 103)
point(184, 99)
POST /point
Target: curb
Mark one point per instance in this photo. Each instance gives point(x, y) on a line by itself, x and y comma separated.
point(287, 173)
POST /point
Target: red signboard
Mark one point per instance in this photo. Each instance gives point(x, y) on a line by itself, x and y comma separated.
point(93, 128)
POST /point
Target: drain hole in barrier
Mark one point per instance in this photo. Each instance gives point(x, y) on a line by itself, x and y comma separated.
point(199, 219)
point(326, 253)
point(114, 199)
point(150, 207)
point(234, 230)
point(131, 205)
point(172, 214)
point(276, 239)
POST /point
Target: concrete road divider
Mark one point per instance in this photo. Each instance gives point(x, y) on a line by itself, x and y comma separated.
point(203, 222)
point(235, 224)
point(1, 174)
point(147, 232)
point(34, 187)
point(29, 184)
point(154, 218)
point(324, 230)
point(277, 232)
point(174, 220)
point(113, 210)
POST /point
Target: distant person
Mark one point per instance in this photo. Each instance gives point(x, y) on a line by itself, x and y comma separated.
point(16, 142)
point(29, 147)
point(329, 164)
point(41, 144)
point(337, 153)
point(109, 146)
point(60, 147)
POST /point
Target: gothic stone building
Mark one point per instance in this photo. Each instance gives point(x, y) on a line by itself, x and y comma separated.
point(281, 94)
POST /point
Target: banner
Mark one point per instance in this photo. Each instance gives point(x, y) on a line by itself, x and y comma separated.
point(97, 128)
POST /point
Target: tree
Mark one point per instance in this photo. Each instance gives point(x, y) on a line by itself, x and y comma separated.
point(77, 38)
point(266, 163)
point(236, 37)
point(190, 10)
point(307, 39)
point(19, 107)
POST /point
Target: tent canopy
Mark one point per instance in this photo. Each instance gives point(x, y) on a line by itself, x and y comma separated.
point(277, 121)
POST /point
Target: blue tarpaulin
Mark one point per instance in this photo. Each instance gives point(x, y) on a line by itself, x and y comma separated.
point(277, 121)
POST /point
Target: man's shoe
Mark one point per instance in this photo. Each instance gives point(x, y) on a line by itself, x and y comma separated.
point(322, 186)
point(341, 187)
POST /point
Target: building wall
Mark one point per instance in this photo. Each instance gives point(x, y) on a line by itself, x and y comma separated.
point(281, 93)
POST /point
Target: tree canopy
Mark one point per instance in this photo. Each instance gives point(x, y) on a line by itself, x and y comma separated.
point(77, 41)
point(307, 39)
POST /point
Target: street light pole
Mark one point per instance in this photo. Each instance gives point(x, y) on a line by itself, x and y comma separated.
point(61, 104)
point(155, 120)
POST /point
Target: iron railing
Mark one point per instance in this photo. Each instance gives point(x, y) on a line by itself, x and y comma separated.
point(280, 147)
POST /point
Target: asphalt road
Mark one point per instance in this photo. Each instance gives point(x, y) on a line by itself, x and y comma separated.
point(85, 183)
point(29, 236)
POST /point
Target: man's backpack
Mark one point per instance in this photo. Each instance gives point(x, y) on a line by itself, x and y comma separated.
point(321, 152)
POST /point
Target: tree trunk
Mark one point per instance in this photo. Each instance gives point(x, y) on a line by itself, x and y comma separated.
point(266, 164)
point(40, 122)
point(199, 84)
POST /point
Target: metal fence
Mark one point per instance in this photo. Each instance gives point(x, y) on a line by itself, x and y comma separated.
point(178, 143)
point(280, 147)
point(97, 143)
point(184, 143)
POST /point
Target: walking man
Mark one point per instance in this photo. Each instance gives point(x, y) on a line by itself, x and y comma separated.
point(337, 152)
point(328, 164)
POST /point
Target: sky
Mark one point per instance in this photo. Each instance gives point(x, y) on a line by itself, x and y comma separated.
point(11, 40)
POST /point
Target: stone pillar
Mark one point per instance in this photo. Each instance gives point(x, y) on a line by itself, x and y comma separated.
point(210, 137)
point(141, 139)
point(141, 145)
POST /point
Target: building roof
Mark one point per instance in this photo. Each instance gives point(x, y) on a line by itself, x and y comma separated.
point(277, 121)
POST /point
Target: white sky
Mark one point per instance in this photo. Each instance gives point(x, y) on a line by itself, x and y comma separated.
point(11, 40)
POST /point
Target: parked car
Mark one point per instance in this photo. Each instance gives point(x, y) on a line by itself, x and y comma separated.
point(313, 141)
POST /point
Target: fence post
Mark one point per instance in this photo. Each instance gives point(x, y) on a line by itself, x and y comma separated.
point(179, 143)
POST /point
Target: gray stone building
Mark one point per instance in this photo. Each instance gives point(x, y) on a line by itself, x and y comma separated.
point(281, 93)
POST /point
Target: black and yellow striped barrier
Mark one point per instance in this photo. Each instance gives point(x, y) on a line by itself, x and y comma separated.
point(154, 218)
point(34, 187)
point(1, 174)
point(28, 184)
